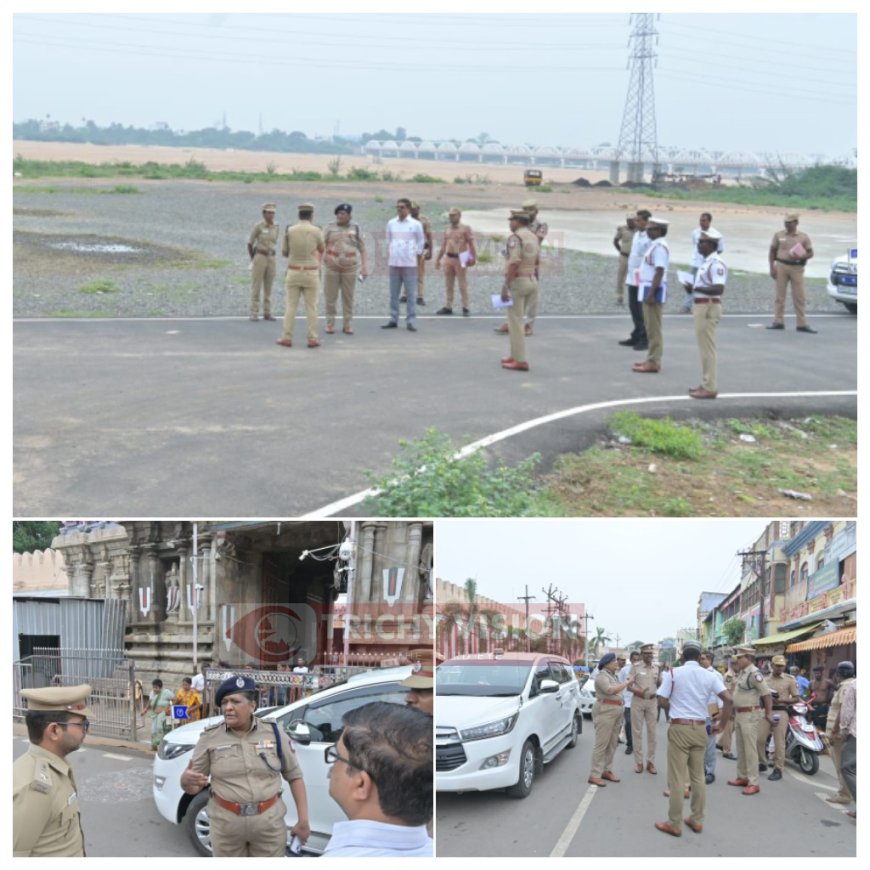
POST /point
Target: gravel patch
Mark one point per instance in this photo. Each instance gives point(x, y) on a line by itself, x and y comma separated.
point(179, 249)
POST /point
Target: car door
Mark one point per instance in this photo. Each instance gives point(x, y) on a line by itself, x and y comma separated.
point(323, 718)
point(569, 694)
point(547, 707)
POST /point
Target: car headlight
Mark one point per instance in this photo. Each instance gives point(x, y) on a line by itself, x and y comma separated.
point(492, 729)
point(172, 750)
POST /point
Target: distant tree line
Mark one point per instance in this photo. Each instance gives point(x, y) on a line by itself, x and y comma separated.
point(210, 137)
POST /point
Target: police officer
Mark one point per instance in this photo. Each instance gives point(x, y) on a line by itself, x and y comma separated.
point(262, 245)
point(421, 682)
point(639, 243)
point(788, 255)
point(246, 759)
point(846, 670)
point(622, 242)
point(706, 291)
point(653, 276)
point(540, 230)
point(345, 256)
point(303, 244)
point(45, 807)
point(427, 251)
point(729, 678)
point(787, 693)
point(647, 679)
point(520, 285)
point(751, 695)
point(607, 718)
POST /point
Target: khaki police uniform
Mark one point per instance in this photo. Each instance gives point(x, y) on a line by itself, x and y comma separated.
point(344, 247)
point(707, 314)
point(789, 270)
point(540, 229)
point(607, 719)
point(622, 240)
point(729, 678)
point(45, 807)
point(303, 241)
point(643, 711)
point(843, 796)
point(786, 685)
point(522, 247)
point(749, 688)
point(263, 241)
point(457, 240)
point(46, 820)
point(427, 251)
point(246, 773)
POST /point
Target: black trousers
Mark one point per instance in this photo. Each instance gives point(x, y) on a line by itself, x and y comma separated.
point(627, 716)
point(635, 307)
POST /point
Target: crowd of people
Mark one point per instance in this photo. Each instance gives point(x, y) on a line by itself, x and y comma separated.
point(338, 252)
point(706, 708)
point(381, 770)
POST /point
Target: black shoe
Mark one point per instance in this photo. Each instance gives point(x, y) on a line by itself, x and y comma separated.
point(629, 342)
point(708, 778)
point(776, 326)
point(444, 310)
point(421, 301)
point(466, 312)
point(389, 325)
point(642, 345)
point(777, 774)
point(403, 299)
point(808, 329)
point(762, 767)
point(411, 327)
point(629, 750)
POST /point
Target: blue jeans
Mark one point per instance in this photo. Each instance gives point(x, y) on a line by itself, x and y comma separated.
point(407, 276)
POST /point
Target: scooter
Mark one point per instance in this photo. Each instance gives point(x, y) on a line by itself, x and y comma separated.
point(802, 741)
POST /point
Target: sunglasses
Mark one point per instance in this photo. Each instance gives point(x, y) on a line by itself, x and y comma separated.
point(84, 724)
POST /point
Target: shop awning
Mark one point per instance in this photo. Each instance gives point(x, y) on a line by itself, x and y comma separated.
point(841, 637)
point(785, 636)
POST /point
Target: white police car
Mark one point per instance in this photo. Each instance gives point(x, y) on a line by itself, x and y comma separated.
point(313, 723)
point(499, 717)
point(843, 280)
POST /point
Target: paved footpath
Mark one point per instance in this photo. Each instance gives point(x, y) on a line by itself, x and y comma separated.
point(209, 418)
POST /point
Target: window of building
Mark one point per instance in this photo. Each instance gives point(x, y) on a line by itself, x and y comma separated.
point(805, 572)
point(779, 574)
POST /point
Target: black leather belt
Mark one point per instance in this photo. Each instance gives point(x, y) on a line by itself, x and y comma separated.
point(455, 256)
point(791, 262)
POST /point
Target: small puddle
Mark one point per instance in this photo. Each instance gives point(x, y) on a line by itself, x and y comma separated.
point(95, 248)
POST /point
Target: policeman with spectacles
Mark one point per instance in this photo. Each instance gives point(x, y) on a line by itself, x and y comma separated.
point(45, 809)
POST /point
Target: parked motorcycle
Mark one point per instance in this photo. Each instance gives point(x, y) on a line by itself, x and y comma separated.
point(802, 742)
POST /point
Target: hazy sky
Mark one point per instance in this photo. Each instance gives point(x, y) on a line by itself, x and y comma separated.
point(763, 82)
point(639, 578)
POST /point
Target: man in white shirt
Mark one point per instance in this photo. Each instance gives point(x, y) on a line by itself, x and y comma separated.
point(381, 777)
point(405, 242)
point(652, 292)
point(638, 338)
point(684, 694)
point(704, 226)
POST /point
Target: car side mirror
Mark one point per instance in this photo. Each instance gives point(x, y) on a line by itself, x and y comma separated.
point(299, 731)
point(548, 687)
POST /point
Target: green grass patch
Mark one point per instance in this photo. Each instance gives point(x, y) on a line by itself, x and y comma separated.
point(100, 286)
point(428, 481)
point(422, 178)
point(659, 436)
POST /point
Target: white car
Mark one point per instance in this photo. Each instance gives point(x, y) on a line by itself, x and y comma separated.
point(313, 723)
point(500, 717)
point(843, 280)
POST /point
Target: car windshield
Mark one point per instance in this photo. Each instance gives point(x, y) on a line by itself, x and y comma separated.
point(490, 679)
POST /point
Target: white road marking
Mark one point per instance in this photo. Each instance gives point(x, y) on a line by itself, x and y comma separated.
point(337, 507)
point(571, 828)
point(117, 757)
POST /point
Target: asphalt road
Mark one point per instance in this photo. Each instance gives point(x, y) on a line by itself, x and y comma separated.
point(564, 816)
point(208, 417)
point(118, 813)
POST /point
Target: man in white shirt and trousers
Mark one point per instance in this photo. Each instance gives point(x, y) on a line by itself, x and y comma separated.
point(684, 694)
